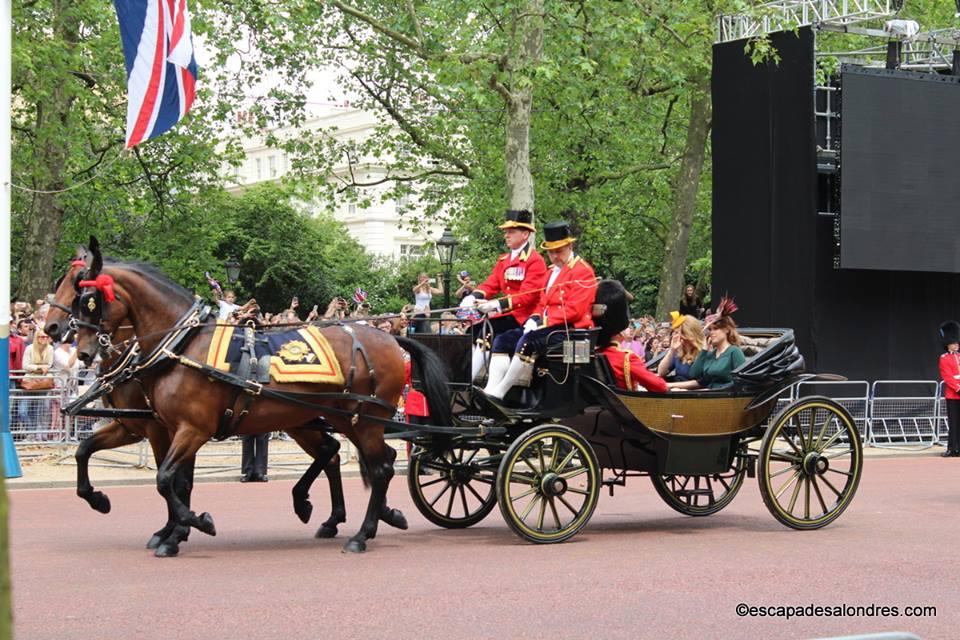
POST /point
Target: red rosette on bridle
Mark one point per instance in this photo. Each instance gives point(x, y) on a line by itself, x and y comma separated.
point(102, 283)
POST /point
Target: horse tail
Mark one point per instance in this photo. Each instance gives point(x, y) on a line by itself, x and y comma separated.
point(435, 380)
point(364, 474)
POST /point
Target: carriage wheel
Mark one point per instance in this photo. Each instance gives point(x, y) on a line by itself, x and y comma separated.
point(701, 495)
point(811, 458)
point(455, 487)
point(548, 484)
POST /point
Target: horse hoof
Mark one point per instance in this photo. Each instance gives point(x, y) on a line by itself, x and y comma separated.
point(167, 550)
point(155, 540)
point(99, 501)
point(355, 546)
point(394, 518)
point(326, 531)
point(205, 524)
point(303, 509)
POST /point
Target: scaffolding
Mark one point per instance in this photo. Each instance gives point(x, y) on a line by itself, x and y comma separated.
point(784, 15)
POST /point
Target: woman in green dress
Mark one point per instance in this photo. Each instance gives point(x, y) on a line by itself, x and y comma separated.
point(713, 369)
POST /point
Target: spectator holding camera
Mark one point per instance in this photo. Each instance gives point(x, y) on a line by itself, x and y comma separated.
point(467, 285)
point(338, 309)
point(424, 291)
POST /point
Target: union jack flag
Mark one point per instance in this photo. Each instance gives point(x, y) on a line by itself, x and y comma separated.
point(359, 296)
point(161, 69)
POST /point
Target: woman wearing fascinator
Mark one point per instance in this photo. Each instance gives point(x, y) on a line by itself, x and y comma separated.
point(713, 368)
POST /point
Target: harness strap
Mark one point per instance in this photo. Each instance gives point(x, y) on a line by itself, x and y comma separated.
point(358, 347)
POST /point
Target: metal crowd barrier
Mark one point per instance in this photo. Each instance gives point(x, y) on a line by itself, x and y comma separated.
point(852, 395)
point(904, 412)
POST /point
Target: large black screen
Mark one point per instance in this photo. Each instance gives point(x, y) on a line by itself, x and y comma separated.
point(900, 154)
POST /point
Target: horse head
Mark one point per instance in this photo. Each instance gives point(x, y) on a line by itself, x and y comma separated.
point(65, 293)
point(97, 310)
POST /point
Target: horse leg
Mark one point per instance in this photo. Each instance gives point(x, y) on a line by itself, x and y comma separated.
point(173, 479)
point(369, 440)
point(393, 517)
point(169, 545)
point(326, 458)
point(111, 436)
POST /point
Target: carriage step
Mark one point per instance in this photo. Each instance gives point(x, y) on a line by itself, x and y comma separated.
point(613, 482)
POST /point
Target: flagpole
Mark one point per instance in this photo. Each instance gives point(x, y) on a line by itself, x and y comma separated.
point(8, 453)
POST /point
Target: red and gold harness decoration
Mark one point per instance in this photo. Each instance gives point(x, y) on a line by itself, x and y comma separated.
point(303, 355)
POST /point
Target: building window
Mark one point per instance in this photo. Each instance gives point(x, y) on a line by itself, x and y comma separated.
point(259, 162)
point(352, 209)
point(272, 161)
point(401, 205)
point(410, 251)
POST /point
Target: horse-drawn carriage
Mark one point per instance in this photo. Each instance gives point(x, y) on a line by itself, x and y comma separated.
point(543, 460)
point(539, 454)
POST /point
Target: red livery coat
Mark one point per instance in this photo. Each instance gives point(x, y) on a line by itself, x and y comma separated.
point(630, 370)
point(520, 280)
point(570, 300)
point(949, 372)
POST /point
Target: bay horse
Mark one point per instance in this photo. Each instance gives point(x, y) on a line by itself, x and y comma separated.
point(190, 401)
point(119, 432)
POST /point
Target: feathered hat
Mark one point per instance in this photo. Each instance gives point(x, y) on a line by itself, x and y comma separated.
point(726, 308)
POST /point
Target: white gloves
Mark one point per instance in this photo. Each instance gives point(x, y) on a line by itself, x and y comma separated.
point(530, 325)
point(468, 301)
point(489, 306)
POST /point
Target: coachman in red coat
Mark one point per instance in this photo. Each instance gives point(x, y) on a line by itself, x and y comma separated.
point(566, 303)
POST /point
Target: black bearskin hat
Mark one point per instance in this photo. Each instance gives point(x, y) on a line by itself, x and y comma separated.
point(950, 333)
point(611, 310)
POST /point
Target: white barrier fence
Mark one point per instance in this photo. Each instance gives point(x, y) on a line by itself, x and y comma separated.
point(888, 413)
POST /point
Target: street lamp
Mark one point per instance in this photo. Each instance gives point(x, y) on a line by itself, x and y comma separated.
point(446, 249)
point(232, 266)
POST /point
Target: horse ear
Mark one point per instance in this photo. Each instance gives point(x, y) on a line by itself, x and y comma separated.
point(94, 259)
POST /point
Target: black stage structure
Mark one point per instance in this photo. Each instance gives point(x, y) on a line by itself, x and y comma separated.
point(786, 261)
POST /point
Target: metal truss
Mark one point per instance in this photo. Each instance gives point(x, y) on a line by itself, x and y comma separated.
point(927, 51)
point(782, 15)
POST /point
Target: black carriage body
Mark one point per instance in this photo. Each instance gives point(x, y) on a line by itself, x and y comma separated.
point(682, 441)
point(695, 432)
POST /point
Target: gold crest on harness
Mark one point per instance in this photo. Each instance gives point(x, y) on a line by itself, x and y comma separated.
point(91, 304)
point(294, 351)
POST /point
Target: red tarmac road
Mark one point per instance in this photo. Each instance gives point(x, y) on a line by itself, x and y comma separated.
point(639, 570)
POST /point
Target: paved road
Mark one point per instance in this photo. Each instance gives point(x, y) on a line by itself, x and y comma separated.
point(638, 571)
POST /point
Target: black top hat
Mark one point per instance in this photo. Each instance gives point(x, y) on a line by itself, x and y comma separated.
point(518, 219)
point(950, 333)
point(556, 235)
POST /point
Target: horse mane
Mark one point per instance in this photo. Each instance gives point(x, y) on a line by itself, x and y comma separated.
point(155, 276)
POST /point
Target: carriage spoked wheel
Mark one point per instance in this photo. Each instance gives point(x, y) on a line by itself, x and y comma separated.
point(548, 484)
point(454, 487)
point(701, 495)
point(811, 458)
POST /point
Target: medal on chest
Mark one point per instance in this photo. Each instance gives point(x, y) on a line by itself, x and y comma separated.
point(514, 273)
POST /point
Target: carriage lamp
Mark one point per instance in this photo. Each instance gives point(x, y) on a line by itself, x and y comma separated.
point(446, 249)
point(232, 266)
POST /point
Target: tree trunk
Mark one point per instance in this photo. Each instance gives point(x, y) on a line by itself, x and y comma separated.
point(42, 226)
point(685, 203)
point(520, 191)
point(6, 596)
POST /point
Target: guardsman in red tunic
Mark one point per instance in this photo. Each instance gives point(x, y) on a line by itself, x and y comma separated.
point(611, 312)
point(950, 373)
point(566, 303)
point(509, 295)
point(630, 371)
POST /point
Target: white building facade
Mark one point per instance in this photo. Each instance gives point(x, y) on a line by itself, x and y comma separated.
point(377, 227)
